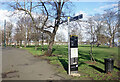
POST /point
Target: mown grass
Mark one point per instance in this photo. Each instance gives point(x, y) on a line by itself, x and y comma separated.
point(94, 71)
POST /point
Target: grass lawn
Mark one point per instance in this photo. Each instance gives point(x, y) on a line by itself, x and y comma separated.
point(93, 71)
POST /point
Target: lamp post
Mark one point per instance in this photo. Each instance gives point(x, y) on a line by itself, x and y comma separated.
point(4, 33)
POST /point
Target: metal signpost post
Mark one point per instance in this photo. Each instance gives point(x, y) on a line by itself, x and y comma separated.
point(68, 47)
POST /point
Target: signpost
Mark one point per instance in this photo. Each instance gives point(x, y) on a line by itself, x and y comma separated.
point(72, 47)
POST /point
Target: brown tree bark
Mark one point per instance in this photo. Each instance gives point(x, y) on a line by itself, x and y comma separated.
point(28, 42)
point(36, 44)
point(42, 42)
point(113, 43)
point(20, 42)
point(6, 42)
point(50, 46)
point(110, 41)
point(113, 40)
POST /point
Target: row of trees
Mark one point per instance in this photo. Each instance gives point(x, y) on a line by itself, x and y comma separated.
point(103, 28)
point(8, 33)
point(25, 32)
point(42, 19)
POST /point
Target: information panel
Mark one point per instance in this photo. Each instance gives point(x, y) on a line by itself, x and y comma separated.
point(74, 52)
point(73, 58)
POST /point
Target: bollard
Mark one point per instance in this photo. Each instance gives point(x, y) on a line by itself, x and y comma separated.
point(109, 65)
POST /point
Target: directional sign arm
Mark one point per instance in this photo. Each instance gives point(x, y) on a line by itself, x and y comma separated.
point(73, 18)
point(76, 17)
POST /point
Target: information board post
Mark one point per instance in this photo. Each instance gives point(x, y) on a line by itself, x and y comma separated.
point(68, 47)
point(73, 54)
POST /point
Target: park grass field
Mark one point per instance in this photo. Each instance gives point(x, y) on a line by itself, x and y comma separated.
point(86, 68)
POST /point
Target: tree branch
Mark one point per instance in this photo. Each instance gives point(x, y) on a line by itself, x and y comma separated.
point(47, 15)
point(49, 26)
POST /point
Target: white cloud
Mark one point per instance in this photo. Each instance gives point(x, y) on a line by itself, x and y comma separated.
point(102, 8)
point(3, 15)
point(108, 6)
point(12, 16)
point(9, 17)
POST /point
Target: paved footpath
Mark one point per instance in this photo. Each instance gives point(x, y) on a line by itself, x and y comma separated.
point(18, 64)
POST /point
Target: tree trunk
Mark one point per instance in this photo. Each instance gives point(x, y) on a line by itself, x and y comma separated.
point(28, 42)
point(93, 41)
point(6, 42)
point(98, 43)
point(25, 43)
point(42, 45)
point(49, 51)
point(17, 43)
point(36, 45)
point(91, 49)
point(20, 42)
point(42, 42)
point(110, 42)
point(113, 43)
point(10, 41)
point(91, 53)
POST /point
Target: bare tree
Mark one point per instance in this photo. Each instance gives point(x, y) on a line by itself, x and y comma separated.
point(111, 20)
point(54, 11)
point(9, 27)
point(20, 34)
point(36, 36)
point(91, 31)
point(27, 26)
point(98, 22)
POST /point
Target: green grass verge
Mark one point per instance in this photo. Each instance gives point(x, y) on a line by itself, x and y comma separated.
point(93, 71)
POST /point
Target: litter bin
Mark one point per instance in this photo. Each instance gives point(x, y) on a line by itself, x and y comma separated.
point(109, 65)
